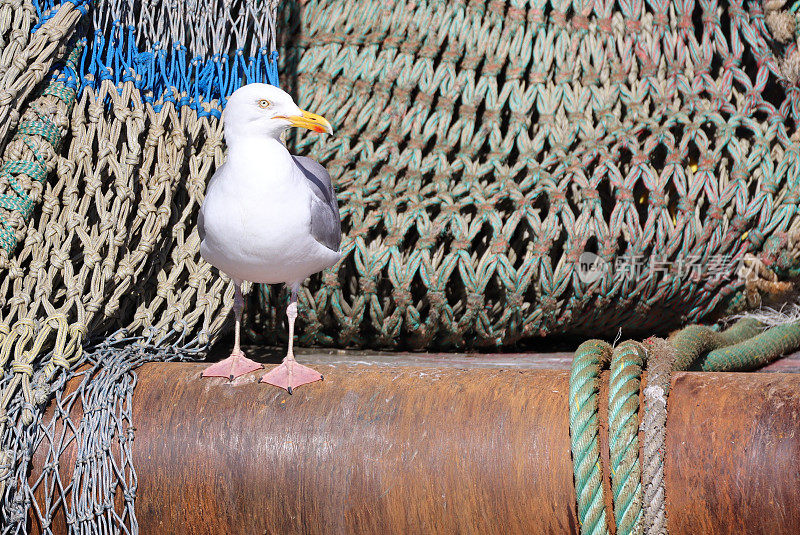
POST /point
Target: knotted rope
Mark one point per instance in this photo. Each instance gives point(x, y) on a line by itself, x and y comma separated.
point(32, 155)
point(21, 345)
point(27, 59)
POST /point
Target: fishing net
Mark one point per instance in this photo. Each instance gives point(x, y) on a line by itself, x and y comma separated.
point(80, 448)
point(99, 190)
point(482, 148)
point(505, 170)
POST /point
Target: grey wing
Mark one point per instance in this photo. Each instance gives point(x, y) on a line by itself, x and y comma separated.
point(326, 225)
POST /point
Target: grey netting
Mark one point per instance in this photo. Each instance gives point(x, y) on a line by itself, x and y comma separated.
point(93, 421)
point(204, 27)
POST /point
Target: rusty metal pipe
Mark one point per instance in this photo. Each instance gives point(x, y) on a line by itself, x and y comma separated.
point(379, 450)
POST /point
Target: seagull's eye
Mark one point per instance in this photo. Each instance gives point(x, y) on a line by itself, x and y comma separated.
point(264, 103)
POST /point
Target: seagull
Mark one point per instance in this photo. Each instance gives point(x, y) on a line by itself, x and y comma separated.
point(268, 216)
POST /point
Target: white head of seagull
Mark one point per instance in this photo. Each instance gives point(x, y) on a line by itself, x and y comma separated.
point(262, 110)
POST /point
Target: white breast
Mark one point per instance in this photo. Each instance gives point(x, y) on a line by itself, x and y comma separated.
point(257, 220)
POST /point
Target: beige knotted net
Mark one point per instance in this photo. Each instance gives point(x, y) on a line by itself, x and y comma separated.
point(99, 191)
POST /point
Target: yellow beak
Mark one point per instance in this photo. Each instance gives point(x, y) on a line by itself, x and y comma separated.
point(312, 121)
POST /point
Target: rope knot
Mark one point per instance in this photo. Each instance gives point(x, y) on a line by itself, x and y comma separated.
point(436, 298)
point(22, 367)
point(402, 297)
point(41, 393)
point(78, 330)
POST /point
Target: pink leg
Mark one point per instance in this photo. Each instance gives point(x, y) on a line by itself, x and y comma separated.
point(237, 364)
point(290, 374)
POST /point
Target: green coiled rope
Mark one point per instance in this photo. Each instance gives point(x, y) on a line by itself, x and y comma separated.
point(584, 385)
point(627, 363)
point(695, 341)
point(754, 352)
point(743, 346)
